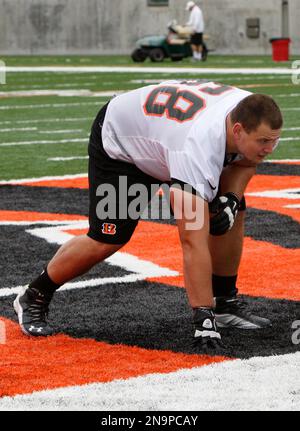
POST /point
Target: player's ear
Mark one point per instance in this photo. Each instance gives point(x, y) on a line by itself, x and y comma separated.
point(237, 129)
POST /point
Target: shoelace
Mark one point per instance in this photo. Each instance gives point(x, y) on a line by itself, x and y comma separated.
point(39, 311)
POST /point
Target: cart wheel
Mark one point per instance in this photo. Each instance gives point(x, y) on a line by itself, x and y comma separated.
point(157, 54)
point(139, 55)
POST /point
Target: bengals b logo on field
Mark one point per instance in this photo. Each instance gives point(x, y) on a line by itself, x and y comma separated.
point(109, 228)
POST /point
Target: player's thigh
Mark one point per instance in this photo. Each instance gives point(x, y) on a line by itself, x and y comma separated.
point(119, 194)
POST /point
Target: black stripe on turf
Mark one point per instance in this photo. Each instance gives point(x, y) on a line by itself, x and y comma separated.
point(272, 227)
point(156, 316)
point(23, 257)
point(278, 169)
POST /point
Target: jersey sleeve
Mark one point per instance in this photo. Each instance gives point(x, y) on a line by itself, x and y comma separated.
point(200, 162)
point(187, 170)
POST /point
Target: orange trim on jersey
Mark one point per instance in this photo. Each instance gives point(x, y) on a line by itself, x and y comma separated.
point(31, 364)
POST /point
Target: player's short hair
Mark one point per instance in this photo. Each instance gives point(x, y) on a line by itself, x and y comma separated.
point(256, 109)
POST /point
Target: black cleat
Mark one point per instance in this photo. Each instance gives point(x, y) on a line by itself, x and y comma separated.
point(32, 307)
point(230, 312)
point(206, 335)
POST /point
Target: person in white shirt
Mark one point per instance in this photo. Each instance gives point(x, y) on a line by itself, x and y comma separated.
point(202, 139)
point(196, 22)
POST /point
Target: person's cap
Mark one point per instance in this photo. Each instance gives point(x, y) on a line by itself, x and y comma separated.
point(189, 5)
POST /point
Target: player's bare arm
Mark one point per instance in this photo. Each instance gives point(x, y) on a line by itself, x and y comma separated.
point(196, 255)
point(235, 178)
point(197, 265)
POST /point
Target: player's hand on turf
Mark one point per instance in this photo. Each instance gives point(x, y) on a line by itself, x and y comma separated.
point(224, 210)
point(206, 337)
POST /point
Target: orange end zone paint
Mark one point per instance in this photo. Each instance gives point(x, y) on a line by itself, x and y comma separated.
point(77, 183)
point(29, 364)
point(31, 216)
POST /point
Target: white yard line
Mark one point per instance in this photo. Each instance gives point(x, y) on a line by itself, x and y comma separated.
point(65, 159)
point(47, 142)
point(282, 161)
point(22, 129)
point(48, 178)
point(61, 131)
point(296, 138)
point(57, 85)
point(287, 95)
point(142, 69)
point(48, 105)
point(48, 120)
point(61, 93)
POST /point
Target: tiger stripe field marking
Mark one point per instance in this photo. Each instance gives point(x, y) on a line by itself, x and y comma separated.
point(149, 252)
point(141, 269)
point(100, 374)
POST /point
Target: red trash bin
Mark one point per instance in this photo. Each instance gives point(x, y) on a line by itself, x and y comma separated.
point(280, 48)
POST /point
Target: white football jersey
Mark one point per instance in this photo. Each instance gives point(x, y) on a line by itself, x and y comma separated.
point(174, 130)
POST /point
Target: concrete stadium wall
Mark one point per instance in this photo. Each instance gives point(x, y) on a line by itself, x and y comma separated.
point(113, 26)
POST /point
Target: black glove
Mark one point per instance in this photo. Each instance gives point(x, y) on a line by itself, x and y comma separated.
point(224, 210)
point(206, 333)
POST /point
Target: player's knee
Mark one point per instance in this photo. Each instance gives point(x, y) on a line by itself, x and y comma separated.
point(102, 249)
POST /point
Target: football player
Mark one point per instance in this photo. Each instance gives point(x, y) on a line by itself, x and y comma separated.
point(205, 140)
